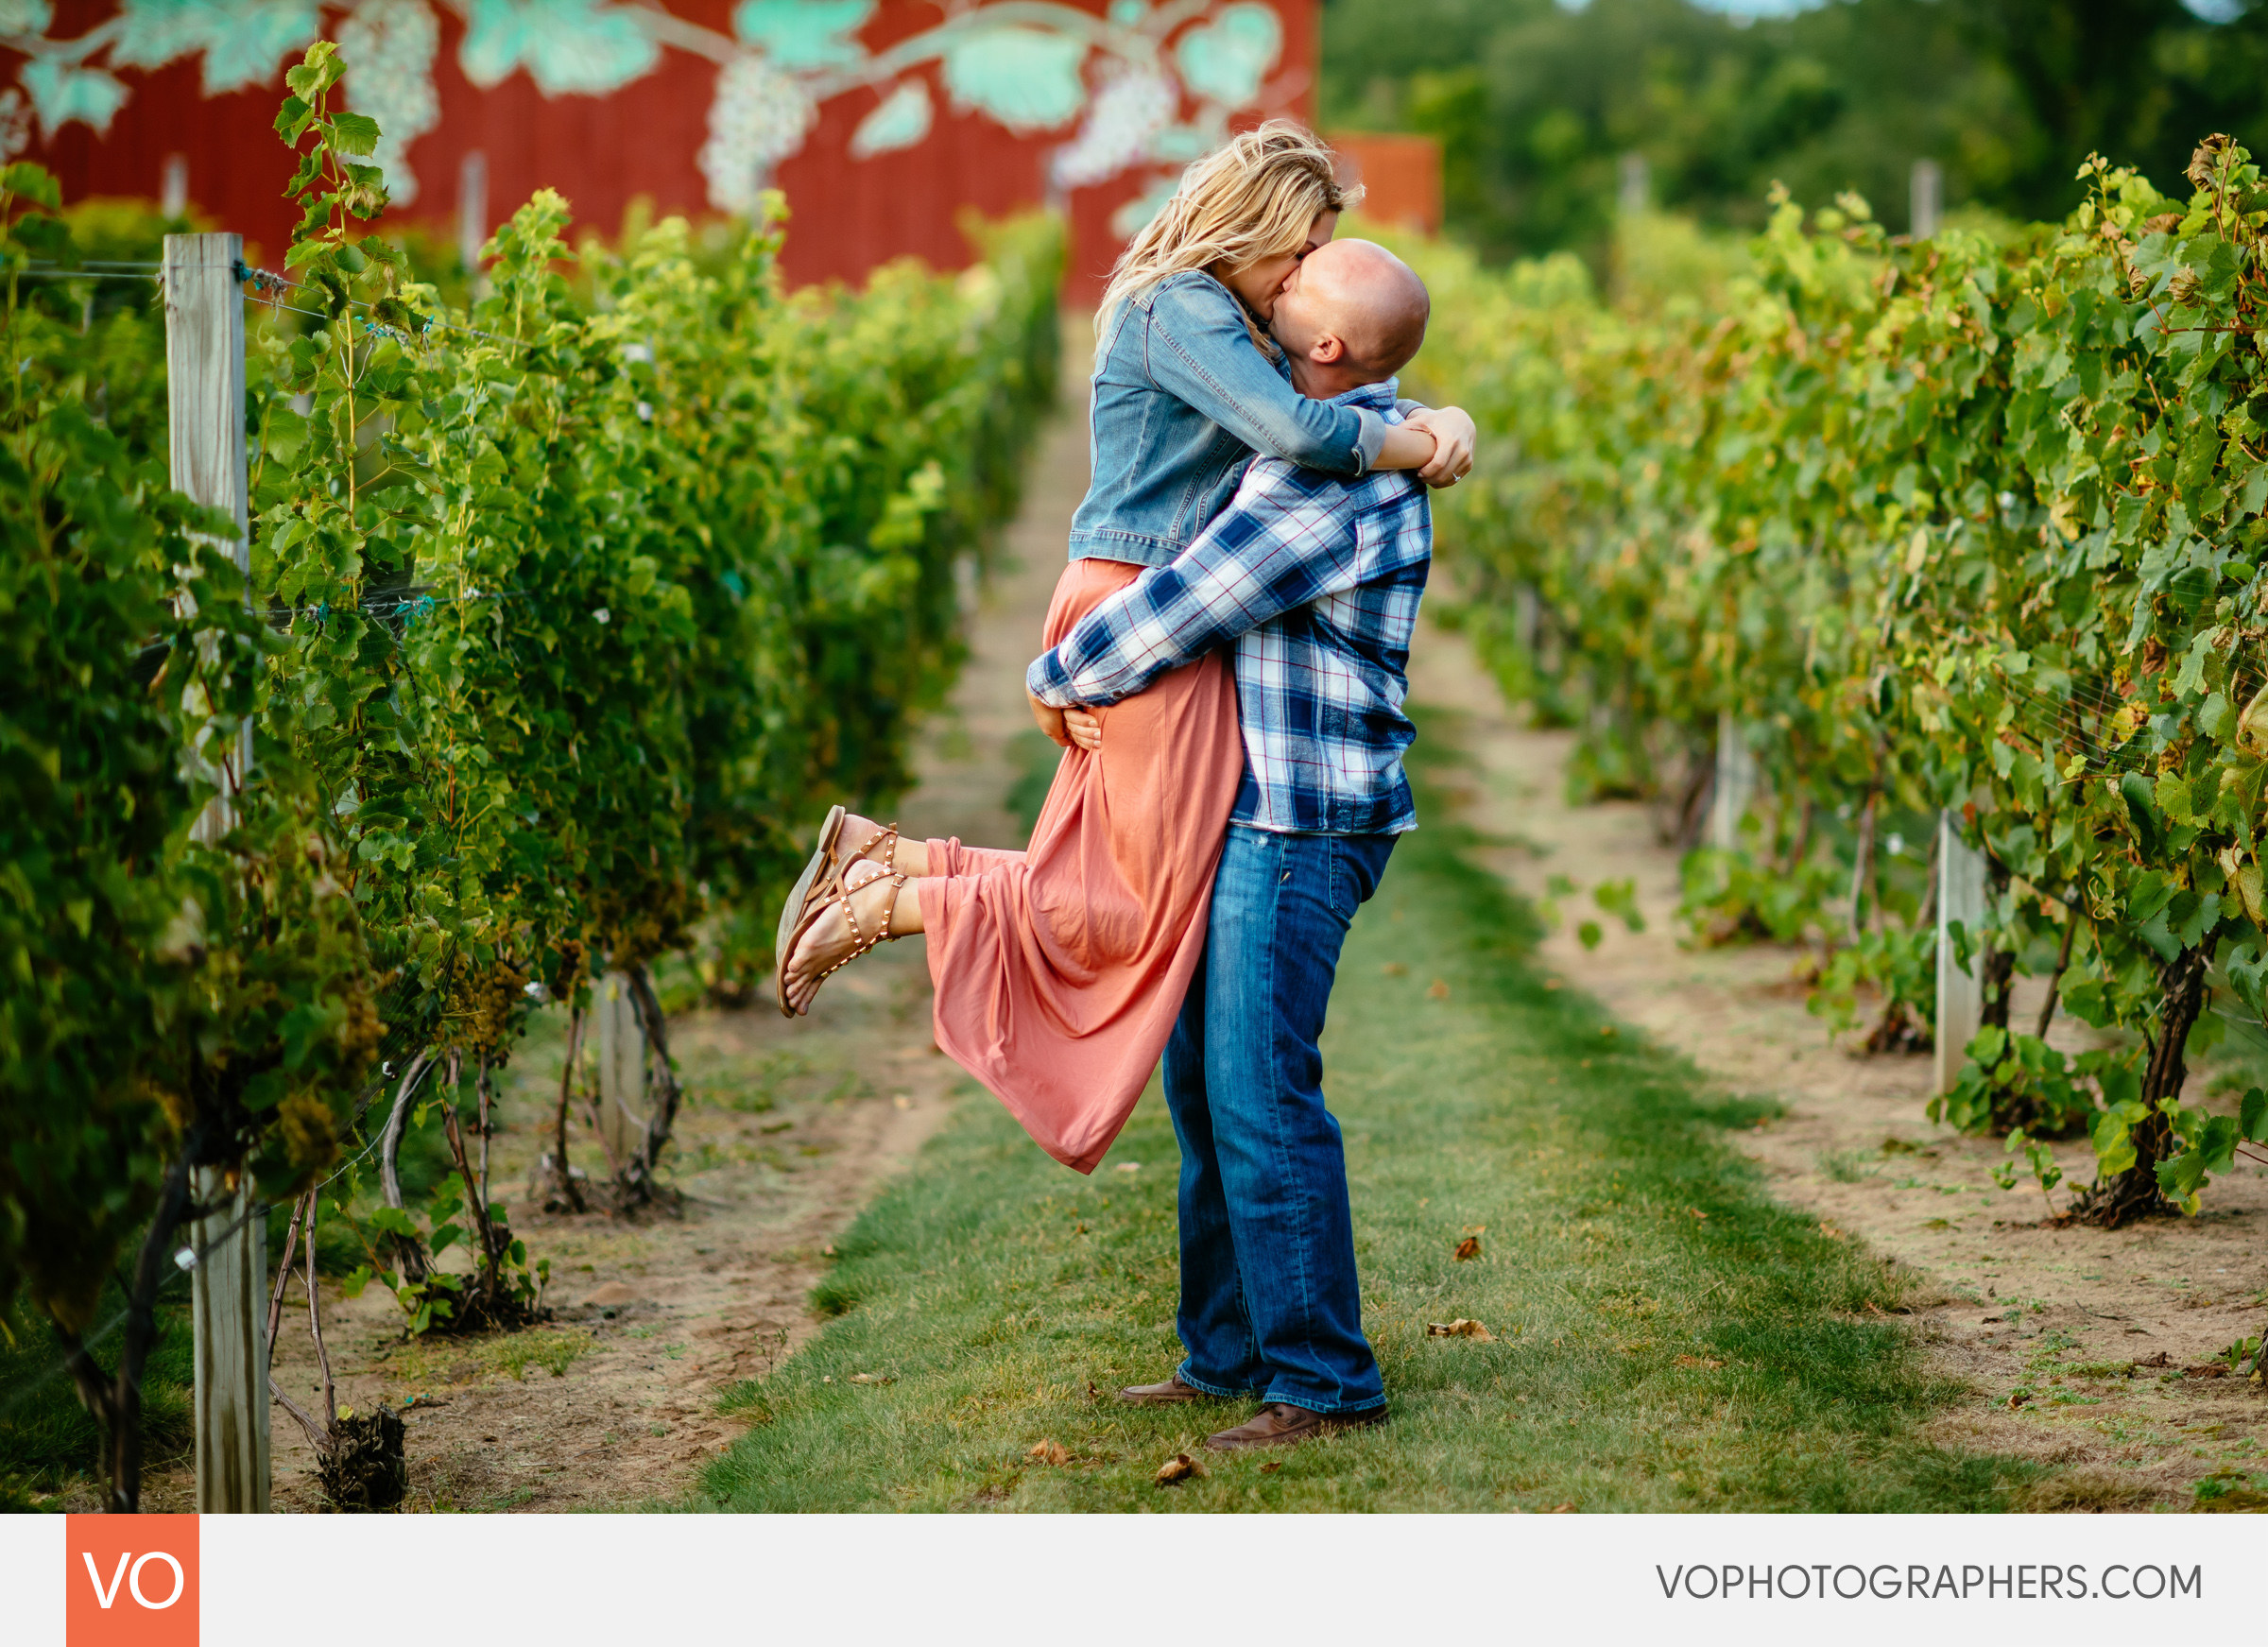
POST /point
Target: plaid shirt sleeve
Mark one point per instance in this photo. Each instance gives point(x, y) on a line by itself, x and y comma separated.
point(1289, 539)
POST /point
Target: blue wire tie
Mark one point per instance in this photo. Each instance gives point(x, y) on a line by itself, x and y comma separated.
point(260, 279)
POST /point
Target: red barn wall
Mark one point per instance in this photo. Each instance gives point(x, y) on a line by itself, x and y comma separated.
point(1401, 175)
point(640, 140)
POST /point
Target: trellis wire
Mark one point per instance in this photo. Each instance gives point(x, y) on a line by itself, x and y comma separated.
point(262, 281)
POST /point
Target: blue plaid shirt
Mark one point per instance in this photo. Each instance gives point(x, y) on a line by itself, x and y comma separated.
point(1316, 581)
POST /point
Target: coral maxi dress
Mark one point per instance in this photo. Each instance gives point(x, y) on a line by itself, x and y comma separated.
point(1060, 969)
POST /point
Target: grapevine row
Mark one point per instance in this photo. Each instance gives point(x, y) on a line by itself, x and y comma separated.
point(1971, 524)
point(561, 609)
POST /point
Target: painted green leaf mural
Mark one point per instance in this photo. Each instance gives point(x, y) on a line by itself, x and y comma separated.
point(62, 94)
point(1026, 79)
point(1228, 58)
point(243, 41)
point(565, 45)
point(805, 34)
point(1133, 217)
point(900, 121)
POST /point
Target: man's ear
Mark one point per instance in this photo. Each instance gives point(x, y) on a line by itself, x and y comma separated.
point(1327, 349)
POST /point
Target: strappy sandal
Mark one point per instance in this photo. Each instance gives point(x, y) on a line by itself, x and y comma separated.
point(860, 942)
point(821, 882)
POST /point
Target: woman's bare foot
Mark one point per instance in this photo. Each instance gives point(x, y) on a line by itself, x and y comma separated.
point(877, 906)
point(862, 837)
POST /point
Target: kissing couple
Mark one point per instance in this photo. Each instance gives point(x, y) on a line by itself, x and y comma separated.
point(1225, 669)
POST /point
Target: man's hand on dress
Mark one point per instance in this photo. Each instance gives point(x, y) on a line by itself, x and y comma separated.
point(1050, 719)
point(1453, 431)
point(1068, 727)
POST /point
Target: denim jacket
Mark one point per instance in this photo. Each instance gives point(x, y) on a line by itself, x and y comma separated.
point(1182, 400)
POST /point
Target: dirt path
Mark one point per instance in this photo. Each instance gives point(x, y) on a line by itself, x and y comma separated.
point(788, 1129)
point(2053, 1319)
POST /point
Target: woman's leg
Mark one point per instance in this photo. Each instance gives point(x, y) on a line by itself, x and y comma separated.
point(830, 941)
point(875, 906)
point(862, 837)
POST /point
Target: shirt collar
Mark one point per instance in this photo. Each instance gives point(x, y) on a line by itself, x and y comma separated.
point(1377, 397)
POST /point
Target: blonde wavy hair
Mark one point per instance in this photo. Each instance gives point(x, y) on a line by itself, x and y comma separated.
point(1254, 198)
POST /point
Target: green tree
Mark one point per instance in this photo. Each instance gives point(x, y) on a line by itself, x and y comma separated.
point(1535, 104)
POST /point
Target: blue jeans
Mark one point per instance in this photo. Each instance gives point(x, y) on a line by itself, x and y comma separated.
point(1269, 1301)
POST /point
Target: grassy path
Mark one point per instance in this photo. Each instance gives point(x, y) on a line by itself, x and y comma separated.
point(1665, 1337)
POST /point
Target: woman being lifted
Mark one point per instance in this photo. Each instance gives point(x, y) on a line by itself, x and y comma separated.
point(1060, 969)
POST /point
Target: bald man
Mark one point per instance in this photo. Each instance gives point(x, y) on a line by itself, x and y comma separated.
point(1314, 580)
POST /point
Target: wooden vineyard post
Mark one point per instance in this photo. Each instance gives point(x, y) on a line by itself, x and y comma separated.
point(1959, 994)
point(1735, 786)
point(1925, 190)
point(622, 1060)
point(204, 404)
point(230, 1343)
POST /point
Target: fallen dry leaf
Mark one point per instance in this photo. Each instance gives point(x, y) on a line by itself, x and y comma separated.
point(1394, 969)
point(1271, 1467)
point(1831, 1232)
point(1437, 991)
point(2019, 1399)
point(1701, 1361)
point(2160, 1359)
point(2210, 1370)
point(1696, 1213)
point(873, 1378)
point(1179, 1468)
point(1128, 1167)
point(1460, 1328)
point(1050, 1452)
point(1561, 1510)
point(1469, 1247)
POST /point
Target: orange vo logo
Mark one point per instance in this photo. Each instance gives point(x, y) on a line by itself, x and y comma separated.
point(131, 1581)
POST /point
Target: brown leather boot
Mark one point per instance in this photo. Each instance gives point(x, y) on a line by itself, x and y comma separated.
point(1281, 1424)
point(1164, 1394)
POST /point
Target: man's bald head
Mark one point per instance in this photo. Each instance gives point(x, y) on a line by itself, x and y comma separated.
point(1362, 294)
